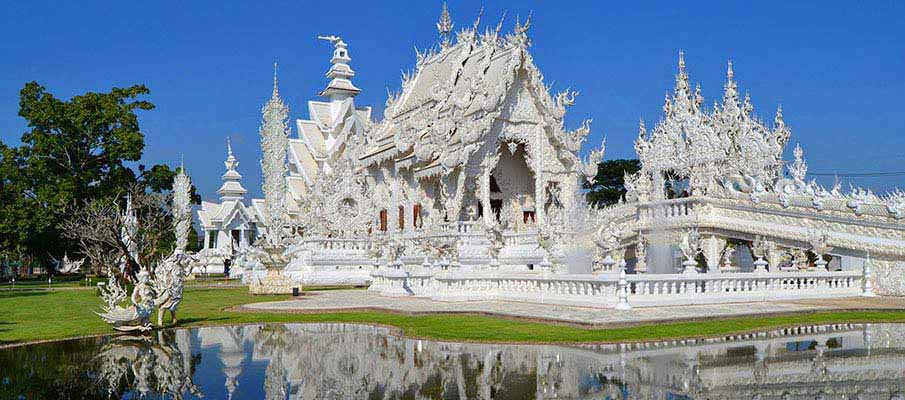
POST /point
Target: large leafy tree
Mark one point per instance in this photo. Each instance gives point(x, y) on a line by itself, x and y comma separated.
point(74, 151)
point(609, 184)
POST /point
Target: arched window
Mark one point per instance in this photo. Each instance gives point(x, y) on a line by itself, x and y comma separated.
point(416, 215)
point(383, 220)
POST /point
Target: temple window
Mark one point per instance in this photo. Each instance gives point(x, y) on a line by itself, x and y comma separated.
point(416, 215)
point(212, 239)
point(383, 220)
point(401, 217)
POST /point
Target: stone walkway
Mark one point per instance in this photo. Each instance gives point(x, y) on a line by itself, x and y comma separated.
point(351, 300)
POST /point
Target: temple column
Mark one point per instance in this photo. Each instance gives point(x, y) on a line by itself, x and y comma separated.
point(242, 240)
point(207, 239)
point(485, 196)
point(539, 183)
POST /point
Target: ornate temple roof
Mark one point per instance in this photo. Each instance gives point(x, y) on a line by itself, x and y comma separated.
point(457, 94)
point(231, 189)
point(323, 138)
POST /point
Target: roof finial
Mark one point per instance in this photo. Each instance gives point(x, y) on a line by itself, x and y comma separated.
point(229, 148)
point(477, 21)
point(499, 25)
point(445, 24)
point(681, 61)
point(729, 73)
point(182, 162)
point(276, 90)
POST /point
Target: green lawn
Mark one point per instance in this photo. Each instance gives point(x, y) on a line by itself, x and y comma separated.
point(39, 315)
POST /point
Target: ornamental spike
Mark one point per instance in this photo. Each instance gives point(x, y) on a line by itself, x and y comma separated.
point(276, 90)
point(477, 21)
point(729, 73)
point(681, 62)
point(499, 25)
point(445, 24)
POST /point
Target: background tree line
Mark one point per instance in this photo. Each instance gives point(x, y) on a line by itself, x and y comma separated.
point(73, 151)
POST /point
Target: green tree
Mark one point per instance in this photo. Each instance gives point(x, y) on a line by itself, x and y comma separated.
point(609, 184)
point(73, 151)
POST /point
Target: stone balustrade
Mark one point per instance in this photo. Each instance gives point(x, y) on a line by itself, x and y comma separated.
point(602, 290)
point(665, 289)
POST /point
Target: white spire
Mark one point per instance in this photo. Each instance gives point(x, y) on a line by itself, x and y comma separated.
point(274, 133)
point(182, 208)
point(444, 26)
point(231, 189)
point(340, 73)
point(276, 89)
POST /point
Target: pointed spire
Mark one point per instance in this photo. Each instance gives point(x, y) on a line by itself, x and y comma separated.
point(477, 20)
point(778, 121)
point(232, 186)
point(445, 24)
point(730, 89)
point(340, 73)
point(499, 25)
point(682, 95)
point(642, 131)
point(276, 89)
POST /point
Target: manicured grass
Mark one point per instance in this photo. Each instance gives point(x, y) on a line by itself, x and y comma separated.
point(39, 315)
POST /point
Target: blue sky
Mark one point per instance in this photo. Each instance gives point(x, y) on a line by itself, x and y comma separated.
point(837, 68)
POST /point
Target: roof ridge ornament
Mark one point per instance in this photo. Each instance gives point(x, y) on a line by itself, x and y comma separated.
point(444, 26)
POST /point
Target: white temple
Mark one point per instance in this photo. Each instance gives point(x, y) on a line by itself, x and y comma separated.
point(230, 224)
point(470, 188)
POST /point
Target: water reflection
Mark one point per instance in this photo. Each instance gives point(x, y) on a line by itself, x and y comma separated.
point(342, 361)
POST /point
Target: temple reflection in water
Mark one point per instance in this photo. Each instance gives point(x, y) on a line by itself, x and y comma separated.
point(344, 361)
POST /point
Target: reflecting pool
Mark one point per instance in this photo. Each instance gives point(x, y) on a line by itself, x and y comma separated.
point(345, 361)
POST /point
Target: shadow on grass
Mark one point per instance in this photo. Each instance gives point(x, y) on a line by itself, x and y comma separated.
point(8, 294)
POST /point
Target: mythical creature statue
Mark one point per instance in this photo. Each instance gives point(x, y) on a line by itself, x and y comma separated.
point(691, 244)
point(395, 249)
point(135, 316)
point(67, 266)
point(494, 233)
point(545, 241)
point(169, 282)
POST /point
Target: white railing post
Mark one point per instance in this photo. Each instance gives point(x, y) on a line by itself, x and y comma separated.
point(622, 289)
point(867, 287)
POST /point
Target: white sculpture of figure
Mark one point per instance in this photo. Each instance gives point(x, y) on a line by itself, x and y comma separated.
point(494, 234)
point(169, 277)
point(640, 255)
point(819, 246)
point(690, 247)
point(728, 253)
point(136, 315)
point(607, 241)
point(545, 243)
point(169, 282)
point(128, 233)
point(895, 204)
point(760, 248)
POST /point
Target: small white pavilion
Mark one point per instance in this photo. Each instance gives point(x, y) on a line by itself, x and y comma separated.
point(229, 224)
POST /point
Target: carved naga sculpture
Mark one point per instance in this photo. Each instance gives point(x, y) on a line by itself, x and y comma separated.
point(135, 316)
